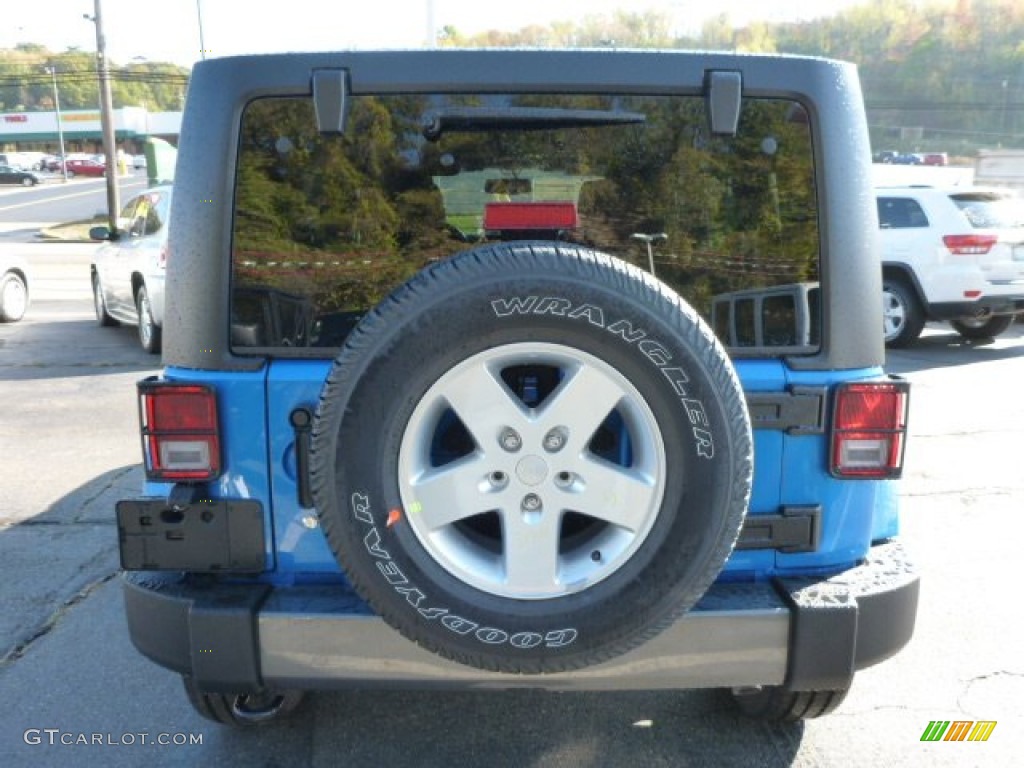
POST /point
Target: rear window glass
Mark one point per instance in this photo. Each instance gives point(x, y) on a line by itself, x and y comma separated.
point(326, 226)
point(744, 314)
point(779, 320)
point(990, 210)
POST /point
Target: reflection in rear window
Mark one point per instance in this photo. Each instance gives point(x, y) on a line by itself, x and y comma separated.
point(326, 226)
point(991, 210)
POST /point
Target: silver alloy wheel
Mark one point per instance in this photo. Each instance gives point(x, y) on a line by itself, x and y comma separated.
point(15, 297)
point(145, 319)
point(561, 514)
point(894, 314)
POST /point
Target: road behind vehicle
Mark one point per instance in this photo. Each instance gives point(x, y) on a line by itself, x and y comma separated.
point(425, 421)
point(952, 254)
point(128, 270)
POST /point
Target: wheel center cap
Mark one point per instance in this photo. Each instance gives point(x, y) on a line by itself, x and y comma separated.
point(531, 470)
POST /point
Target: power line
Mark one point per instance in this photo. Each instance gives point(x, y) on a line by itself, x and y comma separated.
point(78, 76)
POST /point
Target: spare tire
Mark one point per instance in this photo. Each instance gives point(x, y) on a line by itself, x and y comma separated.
point(531, 457)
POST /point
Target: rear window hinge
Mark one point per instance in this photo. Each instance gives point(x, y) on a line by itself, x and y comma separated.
point(800, 411)
point(796, 529)
point(330, 100)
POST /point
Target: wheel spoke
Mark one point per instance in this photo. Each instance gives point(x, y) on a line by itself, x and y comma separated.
point(531, 552)
point(580, 404)
point(444, 495)
point(617, 495)
point(483, 403)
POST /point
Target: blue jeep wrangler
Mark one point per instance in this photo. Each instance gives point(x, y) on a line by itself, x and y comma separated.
point(520, 368)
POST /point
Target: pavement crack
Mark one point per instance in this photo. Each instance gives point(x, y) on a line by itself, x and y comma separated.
point(973, 493)
point(111, 482)
point(10, 523)
point(971, 681)
point(53, 620)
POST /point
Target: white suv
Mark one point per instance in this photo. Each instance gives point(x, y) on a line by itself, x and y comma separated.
point(950, 254)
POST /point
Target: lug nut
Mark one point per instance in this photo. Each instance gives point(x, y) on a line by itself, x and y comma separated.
point(510, 440)
point(498, 479)
point(556, 439)
point(531, 502)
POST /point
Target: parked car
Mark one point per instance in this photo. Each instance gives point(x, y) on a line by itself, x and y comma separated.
point(9, 175)
point(85, 167)
point(950, 254)
point(905, 159)
point(383, 454)
point(14, 287)
point(935, 158)
point(128, 270)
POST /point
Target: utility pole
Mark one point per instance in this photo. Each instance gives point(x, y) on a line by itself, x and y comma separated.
point(106, 119)
point(199, 16)
point(60, 128)
point(431, 40)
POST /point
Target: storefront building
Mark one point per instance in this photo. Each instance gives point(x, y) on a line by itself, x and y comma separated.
point(37, 131)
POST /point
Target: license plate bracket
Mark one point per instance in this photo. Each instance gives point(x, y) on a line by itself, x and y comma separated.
point(204, 537)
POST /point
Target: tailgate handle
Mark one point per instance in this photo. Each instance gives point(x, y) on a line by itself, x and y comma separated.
point(302, 422)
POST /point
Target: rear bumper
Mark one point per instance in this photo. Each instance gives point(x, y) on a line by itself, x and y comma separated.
point(804, 633)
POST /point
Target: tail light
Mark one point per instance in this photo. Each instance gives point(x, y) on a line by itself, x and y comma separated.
point(969, 245)
point(869, 429)
point(180, 438)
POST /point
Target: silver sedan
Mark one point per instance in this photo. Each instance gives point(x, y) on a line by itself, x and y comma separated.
point(128, 270)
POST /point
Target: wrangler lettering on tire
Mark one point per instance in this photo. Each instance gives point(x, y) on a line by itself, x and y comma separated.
point(531, 457)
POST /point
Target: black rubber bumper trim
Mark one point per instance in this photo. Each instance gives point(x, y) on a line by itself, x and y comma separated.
point(849, 621)
point(207, 631)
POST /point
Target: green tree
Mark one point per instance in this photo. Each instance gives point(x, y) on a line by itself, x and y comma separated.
point(25, 83)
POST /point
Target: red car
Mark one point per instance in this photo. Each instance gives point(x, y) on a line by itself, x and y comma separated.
point(86, 168)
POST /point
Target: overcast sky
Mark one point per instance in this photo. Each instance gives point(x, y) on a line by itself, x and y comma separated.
point(168, 30)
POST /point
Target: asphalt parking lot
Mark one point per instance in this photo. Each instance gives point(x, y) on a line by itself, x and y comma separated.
point(69, 449)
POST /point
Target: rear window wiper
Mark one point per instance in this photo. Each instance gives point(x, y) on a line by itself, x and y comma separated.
point(468, 119)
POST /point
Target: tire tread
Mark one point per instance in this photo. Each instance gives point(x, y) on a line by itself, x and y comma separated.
point(775, 703)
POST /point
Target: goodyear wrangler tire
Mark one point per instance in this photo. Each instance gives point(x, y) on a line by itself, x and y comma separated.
point(531, 458)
